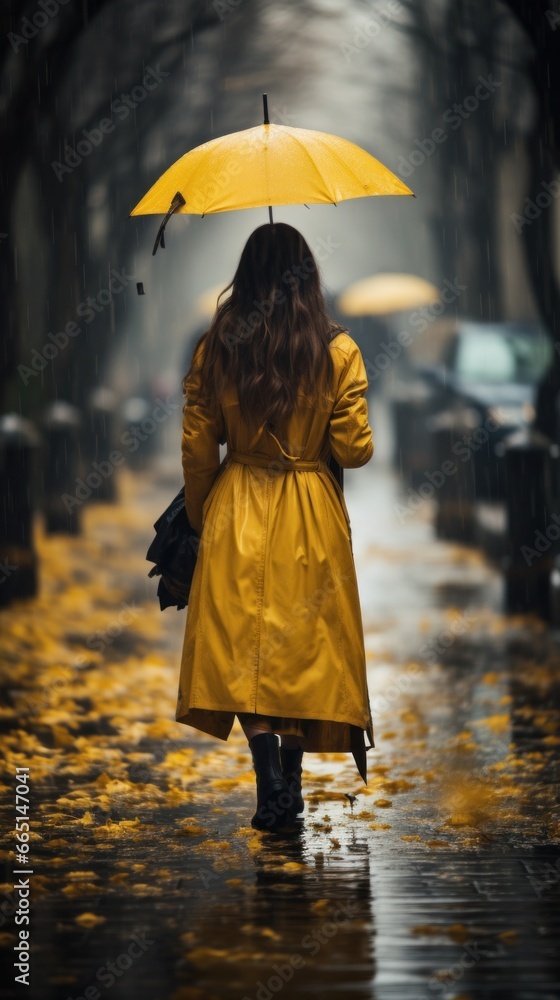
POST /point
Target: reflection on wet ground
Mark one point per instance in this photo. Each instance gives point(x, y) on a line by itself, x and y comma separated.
point(441, 879)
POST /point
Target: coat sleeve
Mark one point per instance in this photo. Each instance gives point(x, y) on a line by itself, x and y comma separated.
point(350, 436)
point(203, 432)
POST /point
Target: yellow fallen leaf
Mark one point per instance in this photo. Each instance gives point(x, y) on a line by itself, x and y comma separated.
point(117, 830)
point(89, 920)
point(327, 795)
point(188, 939)
point(62, 738)
point(322, 906)
point(267, 932)
point(178, 796)
point(224, 784)
point(456, 932)
point(191, 830)
point(206, 958)
point(497, 723)
point(76, 890)
point(398, 785)
point(461, 819)
point(509, 937)
point(213, 845)
point(178, 758)
point(86, 819)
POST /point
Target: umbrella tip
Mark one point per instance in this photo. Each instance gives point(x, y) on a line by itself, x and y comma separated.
point(265, 110)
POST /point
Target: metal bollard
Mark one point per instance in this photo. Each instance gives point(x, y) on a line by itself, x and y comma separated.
point(98, 440)
point(554, 590)
point(554, 593)
point(63, 491)
point(138, 436)
point(531, 462)
point(453, 481)
point(18, 559)
point(412, 442)
point(491, 531)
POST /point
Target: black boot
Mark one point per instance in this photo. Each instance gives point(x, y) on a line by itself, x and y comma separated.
point(274, 802)
point(291, 769)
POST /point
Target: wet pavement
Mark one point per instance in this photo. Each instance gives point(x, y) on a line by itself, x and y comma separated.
point(441, 879)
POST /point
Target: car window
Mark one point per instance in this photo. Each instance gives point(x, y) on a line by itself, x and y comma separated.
point(490, 355)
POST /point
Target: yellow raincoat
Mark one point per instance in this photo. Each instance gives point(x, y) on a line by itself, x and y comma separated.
point(274, 624)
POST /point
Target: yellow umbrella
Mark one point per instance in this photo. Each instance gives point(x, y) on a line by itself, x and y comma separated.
point(386, 293)
point(267, 165)
point(205, 304)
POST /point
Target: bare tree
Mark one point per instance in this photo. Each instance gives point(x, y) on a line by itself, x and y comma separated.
point(541, 22)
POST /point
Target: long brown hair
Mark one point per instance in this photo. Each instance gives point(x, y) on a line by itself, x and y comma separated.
point(270, 338)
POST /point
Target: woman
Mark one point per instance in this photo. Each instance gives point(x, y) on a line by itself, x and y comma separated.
point(274, 630)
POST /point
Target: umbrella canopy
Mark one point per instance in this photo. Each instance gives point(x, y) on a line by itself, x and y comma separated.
point(386, 293)
point(269, 165)
point(264, 166)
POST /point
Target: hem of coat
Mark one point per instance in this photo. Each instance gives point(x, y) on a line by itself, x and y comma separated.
point(228, 711)
point(218, 722)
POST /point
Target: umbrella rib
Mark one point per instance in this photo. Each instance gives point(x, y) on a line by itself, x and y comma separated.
point(308, 154)
point(351, 171)
point(200, 168)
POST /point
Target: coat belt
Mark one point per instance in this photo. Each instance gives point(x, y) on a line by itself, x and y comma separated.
point(276, 464)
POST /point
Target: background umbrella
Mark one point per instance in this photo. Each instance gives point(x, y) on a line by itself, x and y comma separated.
point(267, 165)
point(205, 304)
point(386, 293)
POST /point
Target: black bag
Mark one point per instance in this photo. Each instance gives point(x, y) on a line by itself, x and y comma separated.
point(174, 551)
point(337, 471)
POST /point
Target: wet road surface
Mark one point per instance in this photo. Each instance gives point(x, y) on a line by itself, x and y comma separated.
point(441, 879)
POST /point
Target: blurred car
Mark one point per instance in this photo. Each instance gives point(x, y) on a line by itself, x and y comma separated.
point(471, 383)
